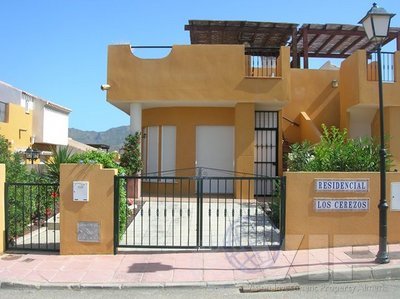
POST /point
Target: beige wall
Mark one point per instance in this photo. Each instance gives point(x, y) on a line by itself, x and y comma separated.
point(18, 128)
point(244, 145)
point(98, 209)
point(2, 208)
point(312, 93)
point(186, 119)
point(201, 73)
point(244, 137)
point(306, 228)
point(392, 133)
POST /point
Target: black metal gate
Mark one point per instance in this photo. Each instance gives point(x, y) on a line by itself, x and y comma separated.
point(32, 216)
point(178, 212)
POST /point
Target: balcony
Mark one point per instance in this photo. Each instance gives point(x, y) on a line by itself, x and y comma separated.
point(387, 67)
point(216, 75)
point(262, 63)
point(359, 75)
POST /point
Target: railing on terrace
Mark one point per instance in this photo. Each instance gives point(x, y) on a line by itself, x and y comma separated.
point(262, 62)
point(387, 66)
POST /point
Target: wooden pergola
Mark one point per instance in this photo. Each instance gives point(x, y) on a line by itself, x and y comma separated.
point(265, 38)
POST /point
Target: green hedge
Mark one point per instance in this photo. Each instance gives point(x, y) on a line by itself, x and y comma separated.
point(336, 152)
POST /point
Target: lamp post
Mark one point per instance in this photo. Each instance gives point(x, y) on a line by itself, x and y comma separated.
point(31, 154)
point(376, 25)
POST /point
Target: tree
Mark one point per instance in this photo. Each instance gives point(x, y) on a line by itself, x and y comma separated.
point(131, 159)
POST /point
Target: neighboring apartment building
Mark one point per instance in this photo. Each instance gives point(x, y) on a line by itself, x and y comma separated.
point(27, 120)
point(233, 98)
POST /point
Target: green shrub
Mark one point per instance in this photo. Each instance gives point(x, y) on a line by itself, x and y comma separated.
point(95, 157)
point(16, 170)
point(131, 159)
point(336, 152)
point(60, 155)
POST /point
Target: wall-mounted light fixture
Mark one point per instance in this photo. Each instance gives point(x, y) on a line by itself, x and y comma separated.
point(335, 83)
point(105, 87)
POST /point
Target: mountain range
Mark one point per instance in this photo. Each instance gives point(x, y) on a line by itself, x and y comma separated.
point(113, 137)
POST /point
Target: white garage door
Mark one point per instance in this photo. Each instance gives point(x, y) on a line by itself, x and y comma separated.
point(214, 149)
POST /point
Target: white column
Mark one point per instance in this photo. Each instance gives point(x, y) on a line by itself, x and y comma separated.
point(136, 117)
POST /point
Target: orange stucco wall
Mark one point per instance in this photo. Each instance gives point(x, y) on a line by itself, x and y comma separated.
point(306, 228)
point(312, 93)
point(244, 145)
point(244, 137)
point(2, 208)
point(98, 209)
point(18, 127)
point(205, 73)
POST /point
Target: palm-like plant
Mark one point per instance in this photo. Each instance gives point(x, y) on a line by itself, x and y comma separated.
point(62, 154)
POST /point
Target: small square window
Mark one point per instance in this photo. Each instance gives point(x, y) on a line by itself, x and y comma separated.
point(3, 107)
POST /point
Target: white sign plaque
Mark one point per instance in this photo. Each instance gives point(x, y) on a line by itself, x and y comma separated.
point(341, 185)
point(341, 205)
point(80, 191)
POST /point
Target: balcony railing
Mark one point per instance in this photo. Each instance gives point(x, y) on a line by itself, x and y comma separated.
point(262, 62)
point(387, 66)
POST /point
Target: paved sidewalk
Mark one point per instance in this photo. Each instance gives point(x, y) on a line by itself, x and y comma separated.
point(196, 268)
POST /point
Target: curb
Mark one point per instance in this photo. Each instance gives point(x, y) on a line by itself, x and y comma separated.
point(340, 276)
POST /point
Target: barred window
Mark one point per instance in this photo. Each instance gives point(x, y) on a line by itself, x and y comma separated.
point(3, 107)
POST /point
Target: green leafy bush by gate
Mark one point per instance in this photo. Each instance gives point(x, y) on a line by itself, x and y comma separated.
point(336, 152)
point(131, 159)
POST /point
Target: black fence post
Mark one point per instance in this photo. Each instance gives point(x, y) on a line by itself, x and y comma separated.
point(201, 210)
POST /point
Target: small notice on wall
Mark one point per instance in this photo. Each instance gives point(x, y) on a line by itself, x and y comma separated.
point(341, 185)
point(341, 205)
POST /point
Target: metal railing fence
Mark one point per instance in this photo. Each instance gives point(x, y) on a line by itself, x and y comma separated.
point(32, 216)
point(198, 212)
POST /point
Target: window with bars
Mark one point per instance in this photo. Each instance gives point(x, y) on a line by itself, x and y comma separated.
point(3, 112)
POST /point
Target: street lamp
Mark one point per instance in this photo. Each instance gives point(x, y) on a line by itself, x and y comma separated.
point(376, 25)
point(31, 154)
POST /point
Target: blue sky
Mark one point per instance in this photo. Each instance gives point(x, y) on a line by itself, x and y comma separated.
point(57, 49)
